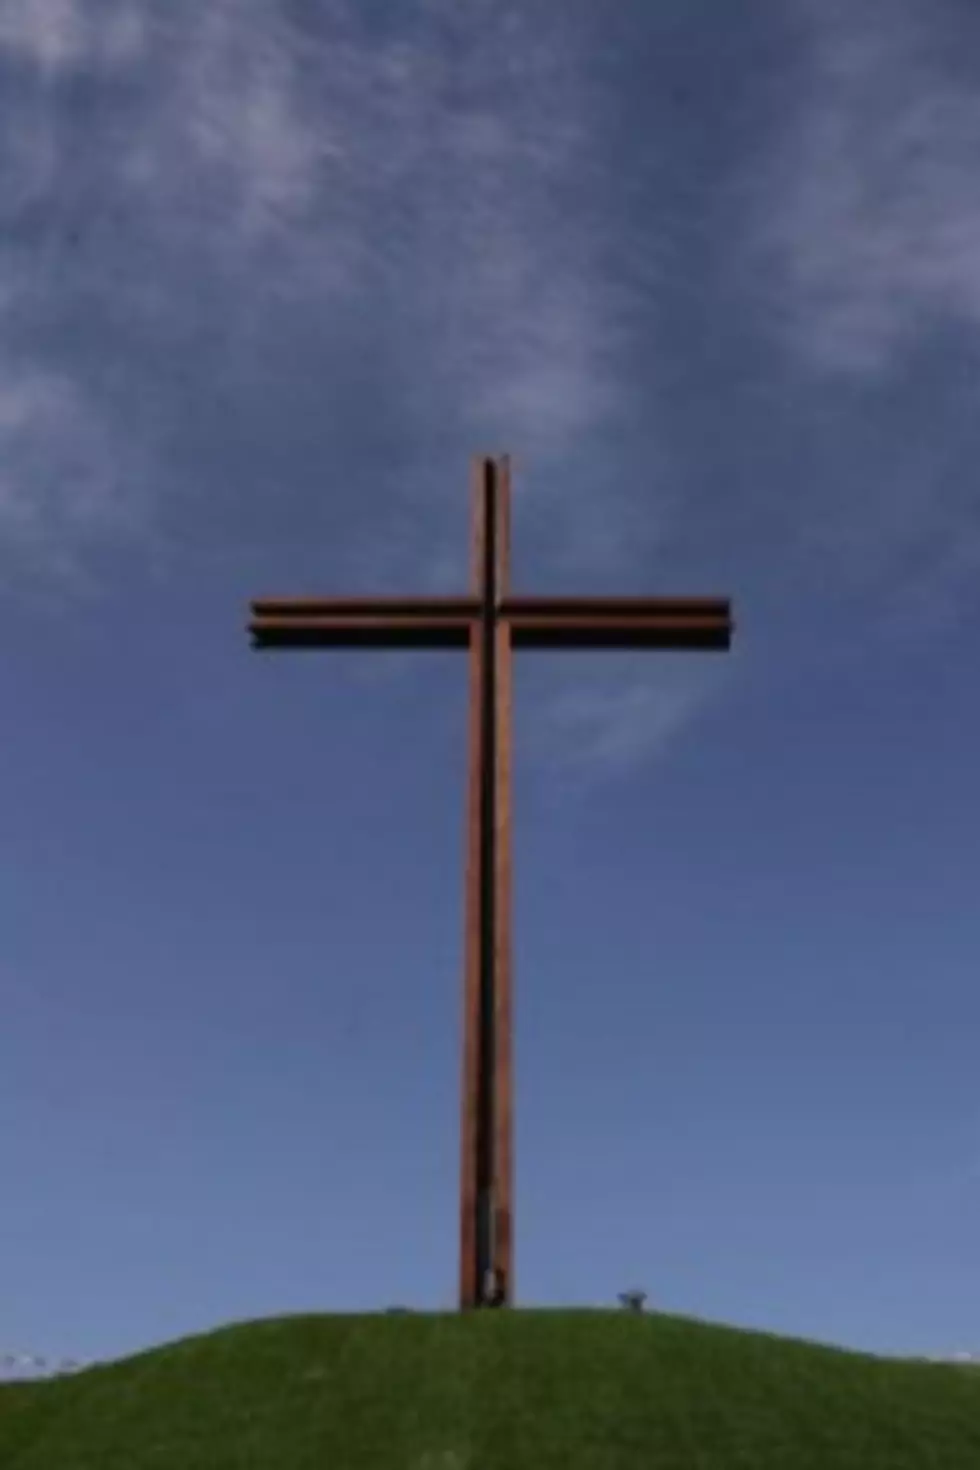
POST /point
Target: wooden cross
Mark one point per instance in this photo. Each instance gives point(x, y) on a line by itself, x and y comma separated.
point(490, 622)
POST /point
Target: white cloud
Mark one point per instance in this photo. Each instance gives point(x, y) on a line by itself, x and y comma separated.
point(63, 479)
point(437, 185)
point(865, 247)
point(426, 175)
point(603, 718)
point(62, 35)
point(869, 207)
point(432, 196)
point(420, 173)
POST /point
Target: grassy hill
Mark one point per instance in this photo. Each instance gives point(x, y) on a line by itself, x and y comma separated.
point(511, 1390)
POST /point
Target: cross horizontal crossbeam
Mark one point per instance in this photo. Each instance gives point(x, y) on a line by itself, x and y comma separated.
point(532, 622)
point(359, 622)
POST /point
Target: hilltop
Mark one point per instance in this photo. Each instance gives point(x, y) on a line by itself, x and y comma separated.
point(511, 1390)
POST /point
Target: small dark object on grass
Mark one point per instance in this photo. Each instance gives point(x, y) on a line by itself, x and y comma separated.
point(632, 1300)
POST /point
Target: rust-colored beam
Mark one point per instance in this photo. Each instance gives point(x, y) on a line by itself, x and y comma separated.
point(302, 608)
point(638, 631)
point(470, 1140)
point(503, 1123)
point(365, 632)
point(618, 622)
point(715, 608)
point(486, 1206)
point(474, 1184)
point(362, 622)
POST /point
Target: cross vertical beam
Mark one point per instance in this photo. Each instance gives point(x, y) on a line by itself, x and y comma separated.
point(486, 1208)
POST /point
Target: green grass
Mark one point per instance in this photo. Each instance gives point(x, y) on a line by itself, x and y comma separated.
point(508, 1390)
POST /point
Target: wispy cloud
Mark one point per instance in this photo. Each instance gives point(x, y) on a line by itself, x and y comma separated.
point(866, 244)
point(59, 36)
point(253, 199)
point(418, 173)
point(429, 196)
point(876, 225)
point(63, 484)
point(610, 716)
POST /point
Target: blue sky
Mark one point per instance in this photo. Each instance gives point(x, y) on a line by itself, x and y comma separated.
point(269, 275)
